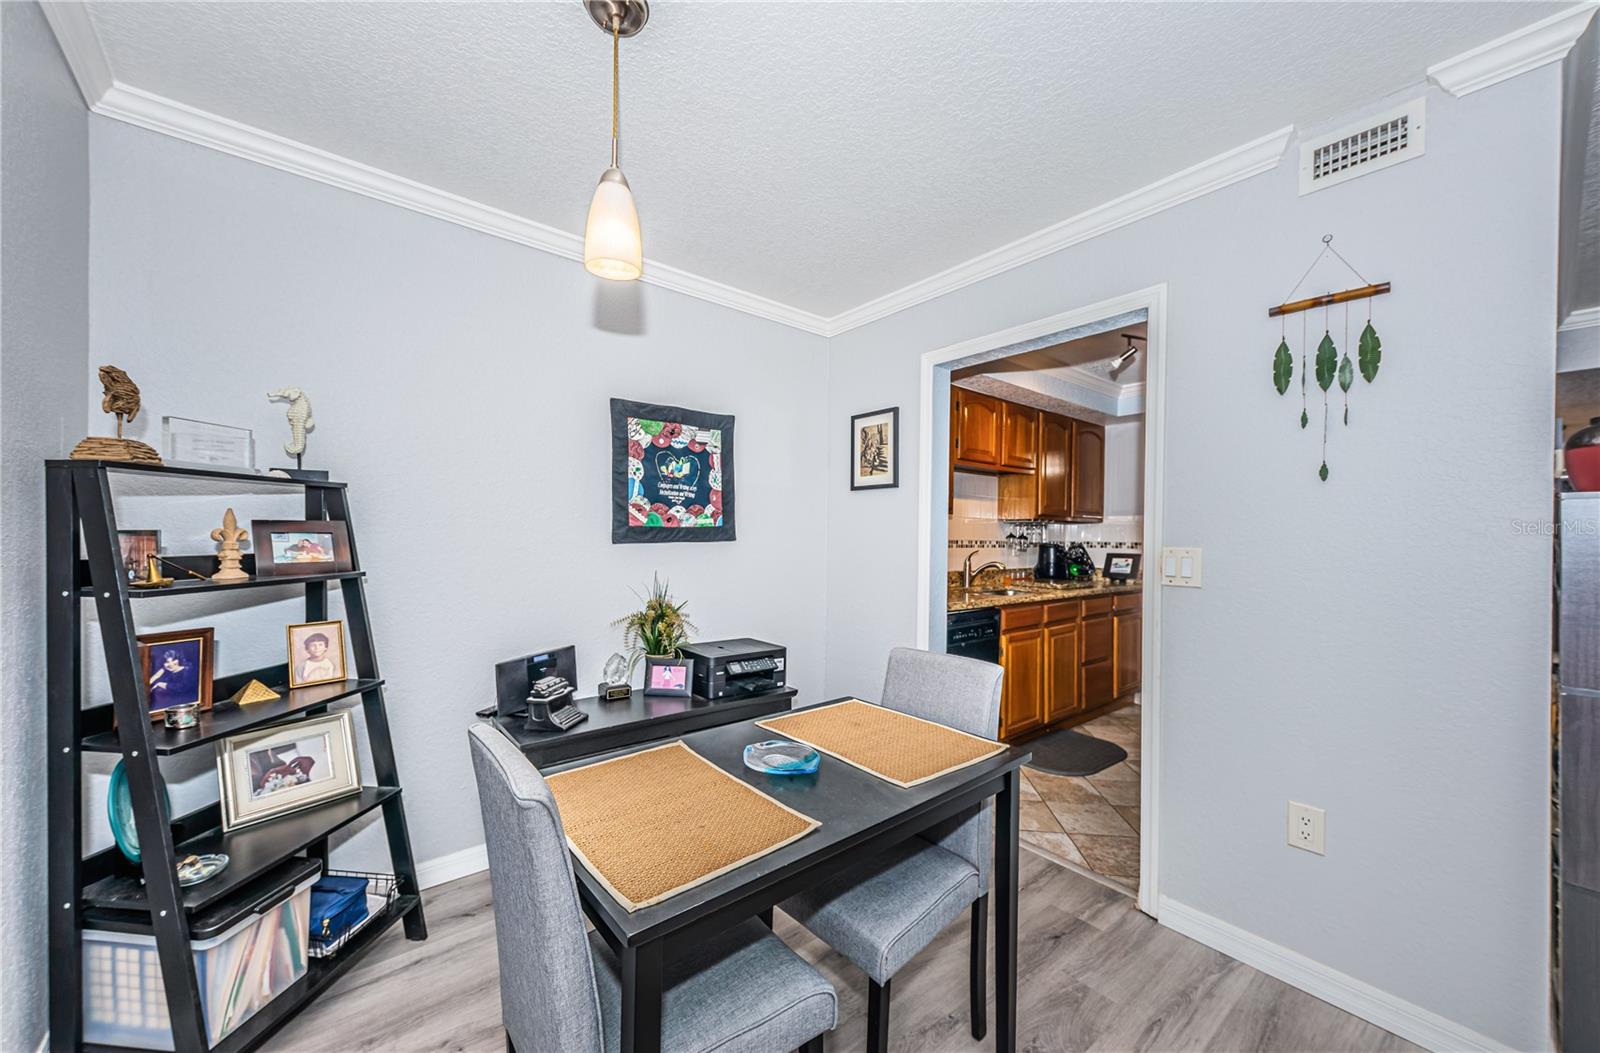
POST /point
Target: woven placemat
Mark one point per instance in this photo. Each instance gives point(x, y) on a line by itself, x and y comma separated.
point(655, 823)
point(895, 746)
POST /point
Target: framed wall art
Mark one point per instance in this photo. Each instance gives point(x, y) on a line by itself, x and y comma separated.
point(671, 474)
point(286, 547)
point(875, 450)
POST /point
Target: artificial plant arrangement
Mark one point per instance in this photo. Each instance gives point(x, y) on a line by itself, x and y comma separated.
point(658, 629)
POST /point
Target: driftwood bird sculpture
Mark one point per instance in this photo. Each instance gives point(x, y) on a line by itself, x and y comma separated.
point(121, 395)
point(122, 400)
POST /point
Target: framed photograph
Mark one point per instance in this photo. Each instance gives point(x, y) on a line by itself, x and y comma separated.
point(269, 773)
point(316, 653)
point(1120, 566)
point(285, 547)
point(673, 677)
point(201, 444)
point(875, 450)
point(671, 474)
point(178, 667)
point(137, 547)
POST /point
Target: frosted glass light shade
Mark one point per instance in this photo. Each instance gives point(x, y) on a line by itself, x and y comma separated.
point(612, 247)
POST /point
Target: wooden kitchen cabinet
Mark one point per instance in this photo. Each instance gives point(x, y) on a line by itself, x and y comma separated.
point(976, 437)
point(1127, 650)
point(1019, 436)
point(1096, 685)
point(1054, 482)
point(1088, 483)
point(1022, 691)
point(1061, 698)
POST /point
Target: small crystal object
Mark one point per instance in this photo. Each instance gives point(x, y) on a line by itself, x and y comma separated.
point(615, 670)
point(780, 757)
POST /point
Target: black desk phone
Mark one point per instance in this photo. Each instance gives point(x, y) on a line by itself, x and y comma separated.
point(550, 705)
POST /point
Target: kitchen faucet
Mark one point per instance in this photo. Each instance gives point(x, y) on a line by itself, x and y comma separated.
point(967, 572)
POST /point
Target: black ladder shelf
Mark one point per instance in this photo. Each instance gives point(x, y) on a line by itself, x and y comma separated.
point(79, 499)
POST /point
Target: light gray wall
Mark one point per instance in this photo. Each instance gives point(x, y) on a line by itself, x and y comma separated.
point(44, 346)
point(1125, 469)
point(460, 384)
point(1378, 644)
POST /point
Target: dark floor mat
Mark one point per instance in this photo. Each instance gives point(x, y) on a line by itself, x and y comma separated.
point(1069, 752)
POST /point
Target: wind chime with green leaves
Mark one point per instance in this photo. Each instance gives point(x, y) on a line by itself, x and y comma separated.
point(1329, 365)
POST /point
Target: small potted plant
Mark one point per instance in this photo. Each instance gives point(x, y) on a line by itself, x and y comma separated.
point(657, 630)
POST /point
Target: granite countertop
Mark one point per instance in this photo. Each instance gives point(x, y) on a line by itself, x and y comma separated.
point(1034, 592)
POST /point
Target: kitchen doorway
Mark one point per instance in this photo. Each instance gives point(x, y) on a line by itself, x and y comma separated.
point(1061, 383)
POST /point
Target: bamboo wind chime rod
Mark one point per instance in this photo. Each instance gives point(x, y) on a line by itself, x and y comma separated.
point(1365, 292)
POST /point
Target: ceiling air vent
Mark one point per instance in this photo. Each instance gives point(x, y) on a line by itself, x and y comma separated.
point(1373, 144)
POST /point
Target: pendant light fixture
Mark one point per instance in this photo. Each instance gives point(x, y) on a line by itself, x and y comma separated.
point(612, 247)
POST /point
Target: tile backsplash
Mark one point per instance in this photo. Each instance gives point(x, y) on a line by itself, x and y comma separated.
point(973, 525)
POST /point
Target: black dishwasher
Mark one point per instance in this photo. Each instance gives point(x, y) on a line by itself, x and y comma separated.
point(973, 634)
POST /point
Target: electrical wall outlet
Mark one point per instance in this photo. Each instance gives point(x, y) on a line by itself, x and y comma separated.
point(1306, 826)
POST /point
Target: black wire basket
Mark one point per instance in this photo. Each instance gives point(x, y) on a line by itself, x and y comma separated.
point(382, 889)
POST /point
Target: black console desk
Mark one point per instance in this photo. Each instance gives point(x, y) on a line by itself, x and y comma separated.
point(639, 719)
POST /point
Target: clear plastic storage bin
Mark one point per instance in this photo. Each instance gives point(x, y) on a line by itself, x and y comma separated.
point(240, 970)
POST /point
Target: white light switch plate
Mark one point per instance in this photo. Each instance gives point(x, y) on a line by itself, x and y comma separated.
point(1180, 566)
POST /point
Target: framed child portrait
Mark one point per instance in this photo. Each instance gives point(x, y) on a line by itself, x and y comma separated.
point(177, 668)
point(316, 653)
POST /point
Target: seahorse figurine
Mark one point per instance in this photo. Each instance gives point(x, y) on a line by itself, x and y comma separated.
point(300, 421)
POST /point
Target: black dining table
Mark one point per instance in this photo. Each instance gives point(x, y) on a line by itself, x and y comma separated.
point(861, 816)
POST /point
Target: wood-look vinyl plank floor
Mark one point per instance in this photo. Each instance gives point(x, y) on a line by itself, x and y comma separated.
point(1093, 974)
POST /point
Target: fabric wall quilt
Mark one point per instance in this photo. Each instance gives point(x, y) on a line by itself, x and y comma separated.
point(672, 474)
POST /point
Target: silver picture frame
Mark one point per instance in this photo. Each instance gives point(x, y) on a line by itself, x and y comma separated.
point(266, 774)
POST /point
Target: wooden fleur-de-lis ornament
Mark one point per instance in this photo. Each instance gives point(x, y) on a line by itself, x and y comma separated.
point(228, 535)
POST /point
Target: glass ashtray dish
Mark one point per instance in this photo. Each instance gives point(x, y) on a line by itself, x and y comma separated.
point(781, 757)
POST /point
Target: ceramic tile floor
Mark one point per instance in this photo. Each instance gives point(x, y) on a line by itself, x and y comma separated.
point(1090, 824)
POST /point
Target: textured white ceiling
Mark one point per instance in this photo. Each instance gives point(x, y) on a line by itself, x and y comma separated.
point(818, 154)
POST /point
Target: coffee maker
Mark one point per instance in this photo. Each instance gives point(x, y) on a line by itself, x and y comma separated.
point(1052, 565)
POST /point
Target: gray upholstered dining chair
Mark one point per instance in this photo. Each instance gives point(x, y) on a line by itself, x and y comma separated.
point(880, 915)
point(561, 992)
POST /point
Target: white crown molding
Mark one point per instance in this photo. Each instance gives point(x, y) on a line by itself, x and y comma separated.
point(69, 21)
point(157, 113)
point(1542, 42)
point(1242, 162)
point(1547, 40)
point(1390, 1012)
point(1583, 318)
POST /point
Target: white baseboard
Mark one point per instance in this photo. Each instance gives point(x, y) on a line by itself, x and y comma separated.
point(1410, 1022)
point(465, 863)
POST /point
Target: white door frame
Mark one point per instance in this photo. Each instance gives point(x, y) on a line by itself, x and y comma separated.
point(1154, 301)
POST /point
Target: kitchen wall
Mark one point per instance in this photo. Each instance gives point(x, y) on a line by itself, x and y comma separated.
point(1320, 662)
point(460, 384)
point(44, 355)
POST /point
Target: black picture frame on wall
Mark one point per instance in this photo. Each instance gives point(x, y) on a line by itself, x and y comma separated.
point(875, 449)
point(672, 474)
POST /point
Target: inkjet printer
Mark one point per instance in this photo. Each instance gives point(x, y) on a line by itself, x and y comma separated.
point(736, 668)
